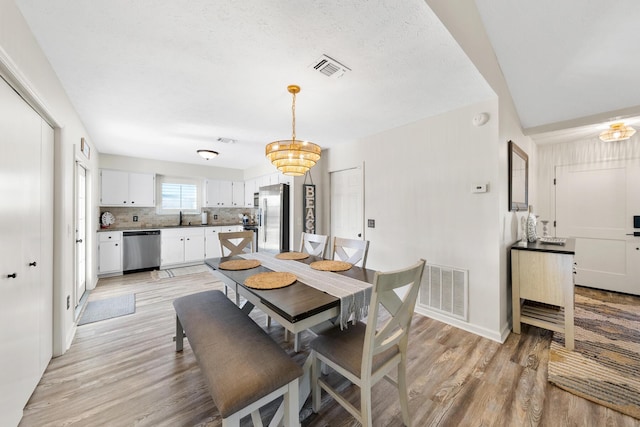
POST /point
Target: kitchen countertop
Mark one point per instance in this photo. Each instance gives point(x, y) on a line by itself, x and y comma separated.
point(160, 227)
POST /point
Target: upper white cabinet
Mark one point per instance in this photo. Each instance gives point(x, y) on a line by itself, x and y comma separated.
point(249, 189)
point(122, 188)
point(223, 194)
point(237, 196)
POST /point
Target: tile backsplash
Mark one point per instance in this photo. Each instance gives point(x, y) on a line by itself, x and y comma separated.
point(147, 217)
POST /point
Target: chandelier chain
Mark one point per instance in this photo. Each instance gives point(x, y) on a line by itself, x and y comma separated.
point(293, 120)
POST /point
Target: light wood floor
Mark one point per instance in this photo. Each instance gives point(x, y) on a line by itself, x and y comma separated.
point(125, 372)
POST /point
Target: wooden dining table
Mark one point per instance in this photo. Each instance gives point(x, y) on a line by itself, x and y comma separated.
point(297, 307)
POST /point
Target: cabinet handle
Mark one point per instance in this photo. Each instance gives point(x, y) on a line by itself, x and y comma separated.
point(124, 201)
point(116, 244)
point(78, 240)
point(188, 238)
point(132, 202)
point(109, 236)
point(12, 276)
point(32, 264)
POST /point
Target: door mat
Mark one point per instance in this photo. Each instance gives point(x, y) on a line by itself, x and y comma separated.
point(180, 271)
point(605, 366)
point(108, 308)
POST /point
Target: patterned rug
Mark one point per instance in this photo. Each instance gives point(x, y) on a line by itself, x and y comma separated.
point(180, 271)
point(605, 366)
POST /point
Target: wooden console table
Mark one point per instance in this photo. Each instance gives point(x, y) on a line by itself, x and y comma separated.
point(542, 287)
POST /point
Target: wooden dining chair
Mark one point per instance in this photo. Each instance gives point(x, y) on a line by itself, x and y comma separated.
point(351, 250)
point(234, 243)
point(364, 354)
point(313, 244)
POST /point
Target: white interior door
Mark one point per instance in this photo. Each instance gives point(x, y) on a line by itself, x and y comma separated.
point(347, 204)
point(81, 229)
point(595, 203)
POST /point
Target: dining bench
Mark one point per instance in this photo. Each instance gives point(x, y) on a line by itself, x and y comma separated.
point(243, 367)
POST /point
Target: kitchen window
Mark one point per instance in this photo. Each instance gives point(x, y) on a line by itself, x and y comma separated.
point(178, 194)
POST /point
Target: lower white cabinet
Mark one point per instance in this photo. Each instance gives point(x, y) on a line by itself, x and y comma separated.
point(212, 242)
point(182, 246)
point(109, 252)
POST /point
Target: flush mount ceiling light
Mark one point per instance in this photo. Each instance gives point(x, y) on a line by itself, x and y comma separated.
point(617, 132)
point(292, 156)
point(207, 154)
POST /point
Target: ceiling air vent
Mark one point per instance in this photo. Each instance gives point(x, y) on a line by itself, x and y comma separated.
point(330, 67)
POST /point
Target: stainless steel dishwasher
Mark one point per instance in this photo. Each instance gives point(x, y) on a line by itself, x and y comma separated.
point(141, 250)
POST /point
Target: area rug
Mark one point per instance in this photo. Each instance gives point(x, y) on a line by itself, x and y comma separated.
point(180, 271)
point(605, 366)
point(108, 308)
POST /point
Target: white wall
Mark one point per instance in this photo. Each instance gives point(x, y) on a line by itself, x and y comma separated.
point(19, 45)
point(418, 187)
point(135, 164)
point(463, 22)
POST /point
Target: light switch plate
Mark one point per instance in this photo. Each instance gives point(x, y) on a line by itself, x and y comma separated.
point(479, 188)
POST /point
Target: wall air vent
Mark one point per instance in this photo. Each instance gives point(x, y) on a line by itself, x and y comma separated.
point(445, 290)
point(330, 67)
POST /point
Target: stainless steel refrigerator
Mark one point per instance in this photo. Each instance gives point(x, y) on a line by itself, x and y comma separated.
point(273, 225)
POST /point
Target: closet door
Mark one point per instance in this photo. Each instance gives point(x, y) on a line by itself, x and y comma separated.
point(25, 288)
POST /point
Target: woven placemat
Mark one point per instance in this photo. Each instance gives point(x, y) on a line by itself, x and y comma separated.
point(239, 264)
point(292, 255)
point(270, 280)
point(328, 265)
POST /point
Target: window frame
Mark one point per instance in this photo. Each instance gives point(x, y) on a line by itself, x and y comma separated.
point(164, 179)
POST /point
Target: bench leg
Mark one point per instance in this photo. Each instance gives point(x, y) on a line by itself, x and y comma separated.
point(179, 335)
point(291, 411)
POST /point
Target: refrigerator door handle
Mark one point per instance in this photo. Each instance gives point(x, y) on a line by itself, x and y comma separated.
point(264, 218)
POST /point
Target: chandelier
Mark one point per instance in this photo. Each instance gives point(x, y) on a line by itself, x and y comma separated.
point(292, 156)
point(617, 132)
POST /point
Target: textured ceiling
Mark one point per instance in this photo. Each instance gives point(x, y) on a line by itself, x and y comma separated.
point(161, 79)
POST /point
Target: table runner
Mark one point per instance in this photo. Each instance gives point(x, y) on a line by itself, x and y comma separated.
point(354, 294)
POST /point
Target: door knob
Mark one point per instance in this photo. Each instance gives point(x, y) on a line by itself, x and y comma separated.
point(32, 264)
point(78, 240)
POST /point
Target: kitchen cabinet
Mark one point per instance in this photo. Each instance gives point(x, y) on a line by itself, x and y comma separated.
point(218, 193)
point(122, 188)
point(182, 246)
point(249, 189)
point(212, 241)
point(542, 287)
point(237, 196)
point(109, 252)
point(26, 252)
point(226, 194)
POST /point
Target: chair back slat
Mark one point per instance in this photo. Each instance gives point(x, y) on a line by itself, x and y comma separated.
point(313, 244)
point(351, 250)
point(395, 330)
point(236, 242)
